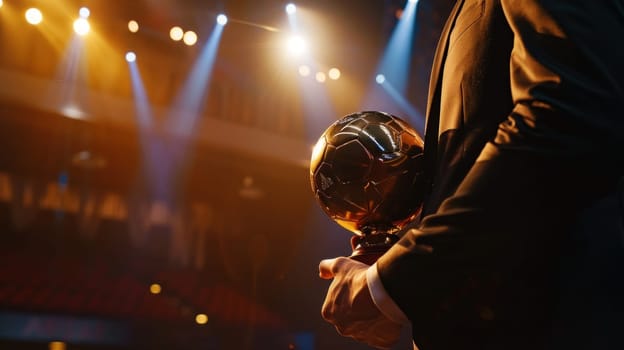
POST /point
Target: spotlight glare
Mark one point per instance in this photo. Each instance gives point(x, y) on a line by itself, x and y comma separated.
point(176, 33)
point(84, 12)
point(222, 19)
point(130, 56)
point(72, 111)
point(334, 74)
point(291, 9)
point(81, 26)
point(380, 78)
point(296, 45)
point(320, 77)
point(190, 38)
point(133, 26)
point(34, 16)
point(304, 70)
point(413, 1)
point(1, 3)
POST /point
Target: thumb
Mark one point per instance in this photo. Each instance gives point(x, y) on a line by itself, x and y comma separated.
point(326, 268)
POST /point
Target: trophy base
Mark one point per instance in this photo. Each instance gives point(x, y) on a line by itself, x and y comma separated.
point(367, 249)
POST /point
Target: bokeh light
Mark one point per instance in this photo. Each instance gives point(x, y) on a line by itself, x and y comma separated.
point(334, 74)
point(190, 38)
point(82, 26)
point(380, 78)
point(33, 16)
point(201, 318)
point(133, 26)
point(176, 33)
point(84, 12)
point(222, 19)
point(130, 56)
point(320, 77)
point(304, 70)
point(155, 288)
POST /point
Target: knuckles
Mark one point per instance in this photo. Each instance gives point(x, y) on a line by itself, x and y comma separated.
point(327, 314)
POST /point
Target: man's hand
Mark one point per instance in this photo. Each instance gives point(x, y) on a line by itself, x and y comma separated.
point(349, 306)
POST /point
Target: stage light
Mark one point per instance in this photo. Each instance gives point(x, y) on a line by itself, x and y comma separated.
point(81, 26)
point(155, 288)
point(190, 38)
point(396, 59)
point(84, 12)
point(190, 99)
point(1, 3)
point(222, 19)
point(291, 9)
point(34, 16)
point(413, 1)
point(201, 318)
point(296, 45)
point(320, 77)
point(176, 33)
point(334, 74)
point(304, 70)
point(133, 26)
point(380, 78)
point(130, 56)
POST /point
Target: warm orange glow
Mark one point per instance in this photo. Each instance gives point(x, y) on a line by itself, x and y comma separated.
point(57, 345)
point(155, 288)
point(201, 318)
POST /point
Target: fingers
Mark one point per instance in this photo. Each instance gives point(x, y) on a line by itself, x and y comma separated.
point(349, 307)
point(328, 268)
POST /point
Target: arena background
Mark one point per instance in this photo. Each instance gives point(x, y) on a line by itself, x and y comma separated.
point(164, 202)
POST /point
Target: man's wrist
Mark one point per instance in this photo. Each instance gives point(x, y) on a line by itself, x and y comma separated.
point(380, 297)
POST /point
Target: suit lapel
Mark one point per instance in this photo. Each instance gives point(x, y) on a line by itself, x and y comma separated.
point(432, 124)
point(438, 61)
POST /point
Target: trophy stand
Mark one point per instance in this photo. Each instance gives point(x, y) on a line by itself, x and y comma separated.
point(369, 247)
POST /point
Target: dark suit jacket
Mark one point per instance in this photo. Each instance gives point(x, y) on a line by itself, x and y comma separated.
point(521, 245)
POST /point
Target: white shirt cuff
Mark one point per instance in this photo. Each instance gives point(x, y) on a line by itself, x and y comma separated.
point(382, 300)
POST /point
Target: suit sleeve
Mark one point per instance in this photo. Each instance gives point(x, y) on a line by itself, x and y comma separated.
point(557, 148)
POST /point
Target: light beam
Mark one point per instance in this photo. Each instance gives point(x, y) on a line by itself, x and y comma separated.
point(395, 63)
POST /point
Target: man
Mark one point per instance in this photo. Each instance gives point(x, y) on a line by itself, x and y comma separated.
point(521, 245)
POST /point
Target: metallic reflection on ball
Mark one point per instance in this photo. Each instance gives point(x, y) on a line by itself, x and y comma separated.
point(366, 173)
